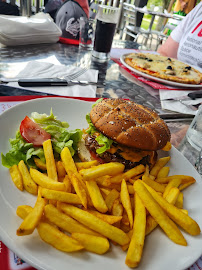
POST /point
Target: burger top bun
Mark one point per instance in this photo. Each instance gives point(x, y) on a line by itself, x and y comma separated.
point(130, 124)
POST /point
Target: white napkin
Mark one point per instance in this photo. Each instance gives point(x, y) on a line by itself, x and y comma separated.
point(51, 69)
point(177, 106)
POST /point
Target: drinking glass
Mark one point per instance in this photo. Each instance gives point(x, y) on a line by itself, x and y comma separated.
point(194, 132)
point(106, 20)
point(87, 31)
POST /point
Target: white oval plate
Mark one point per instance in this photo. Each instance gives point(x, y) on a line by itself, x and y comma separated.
point(147, 76)
point(159, 252)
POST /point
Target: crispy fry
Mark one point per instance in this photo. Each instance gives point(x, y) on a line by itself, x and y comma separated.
point(175, 182)
point(68, 161)
point(129, 174)
point(50, 161)
point(57, 239)
point(29, 185)
point(158, 214)
point(46, 182)
point(111, 197)
point(67, 183)
point(135, 249)
point(40, 164)
point(16, 177)
point(86, 165)
point(172, 195)
point(163, 172)
point(167, 147)
point(60, 196)
point(96, 224)
point(92, 243)
point(161, 162)
point(65, 222)
point(125, 199)
point(130, 189)
point(183, 220)
point(179, 201)
point(80, 191)
point(32, 219)
point(96, 196)
point(117, 210)
point(184, 178)
point(23, 211)
point(103, 181)
point(107, 218)
point(156, 186)
point(60, 169)
point(185, 185)
point(111, 168)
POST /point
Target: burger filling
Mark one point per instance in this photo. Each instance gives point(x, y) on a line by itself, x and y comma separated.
point(117, 153)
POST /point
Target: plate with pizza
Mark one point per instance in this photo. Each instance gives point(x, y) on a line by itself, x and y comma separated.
point(163, 69)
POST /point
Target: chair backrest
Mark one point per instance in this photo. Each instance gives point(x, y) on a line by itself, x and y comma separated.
point(129, 14)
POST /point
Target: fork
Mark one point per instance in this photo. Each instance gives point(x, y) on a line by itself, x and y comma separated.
point(74, 75)
point(69, 77)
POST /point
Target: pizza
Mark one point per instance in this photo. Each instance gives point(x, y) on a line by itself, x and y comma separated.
point(164, 68)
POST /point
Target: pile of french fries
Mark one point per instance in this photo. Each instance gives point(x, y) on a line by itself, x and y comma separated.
point(86, 205)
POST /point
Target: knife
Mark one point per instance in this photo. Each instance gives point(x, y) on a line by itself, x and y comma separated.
point(192, 95)
point(51, 82)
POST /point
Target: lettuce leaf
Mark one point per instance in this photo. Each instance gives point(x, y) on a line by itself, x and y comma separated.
point(104, 142)
point(61, 137)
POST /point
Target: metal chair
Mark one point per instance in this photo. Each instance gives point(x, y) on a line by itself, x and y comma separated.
point(129, 15)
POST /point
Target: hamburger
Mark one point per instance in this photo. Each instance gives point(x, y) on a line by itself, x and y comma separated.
point(123, 131)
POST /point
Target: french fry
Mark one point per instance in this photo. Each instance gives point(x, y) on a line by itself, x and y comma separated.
point(129, 174)
point(156, 186)
point(40, 164)
point(80, 191)
point(179, 201)
point(67, 182)
point(92, 243)
point(125, 199)
point(46, 182)
point(167, 147)
point(68, 161)
point(96, 196)
point(107, 218)
point(130, 189)
point(95, 224)
point(29, 185)
point(161, 162)
point(168, 226)
point(103, 181)
point(23, 211)
point(172, 195)
point(16, 177)
point(61, 196)
point(50, 161)
point(117, 210)
point(111, 168)
point(32, 219)
point(185, 185)
point(136, 245)
point(60, 169)
point(183, 220)
point(57, 239)
point(86, 165)
point(65, 222)
point(105, 191)
point(184, 178)
point(111, 197)
point(163, 172)
point(175, 182)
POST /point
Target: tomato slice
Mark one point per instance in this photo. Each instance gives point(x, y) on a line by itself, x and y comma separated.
point(33, 133)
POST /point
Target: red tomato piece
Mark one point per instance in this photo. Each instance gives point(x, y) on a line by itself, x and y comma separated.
point(33, 133)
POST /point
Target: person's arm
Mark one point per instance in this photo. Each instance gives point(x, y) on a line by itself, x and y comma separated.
point(169, 48)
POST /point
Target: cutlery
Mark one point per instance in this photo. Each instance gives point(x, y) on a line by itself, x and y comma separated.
point(52, 82)
point(192, 95)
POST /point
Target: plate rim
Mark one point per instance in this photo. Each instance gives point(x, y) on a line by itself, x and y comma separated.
point(166, 82)
point(5, 236)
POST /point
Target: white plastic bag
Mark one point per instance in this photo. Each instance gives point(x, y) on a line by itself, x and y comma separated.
point(19, 30)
